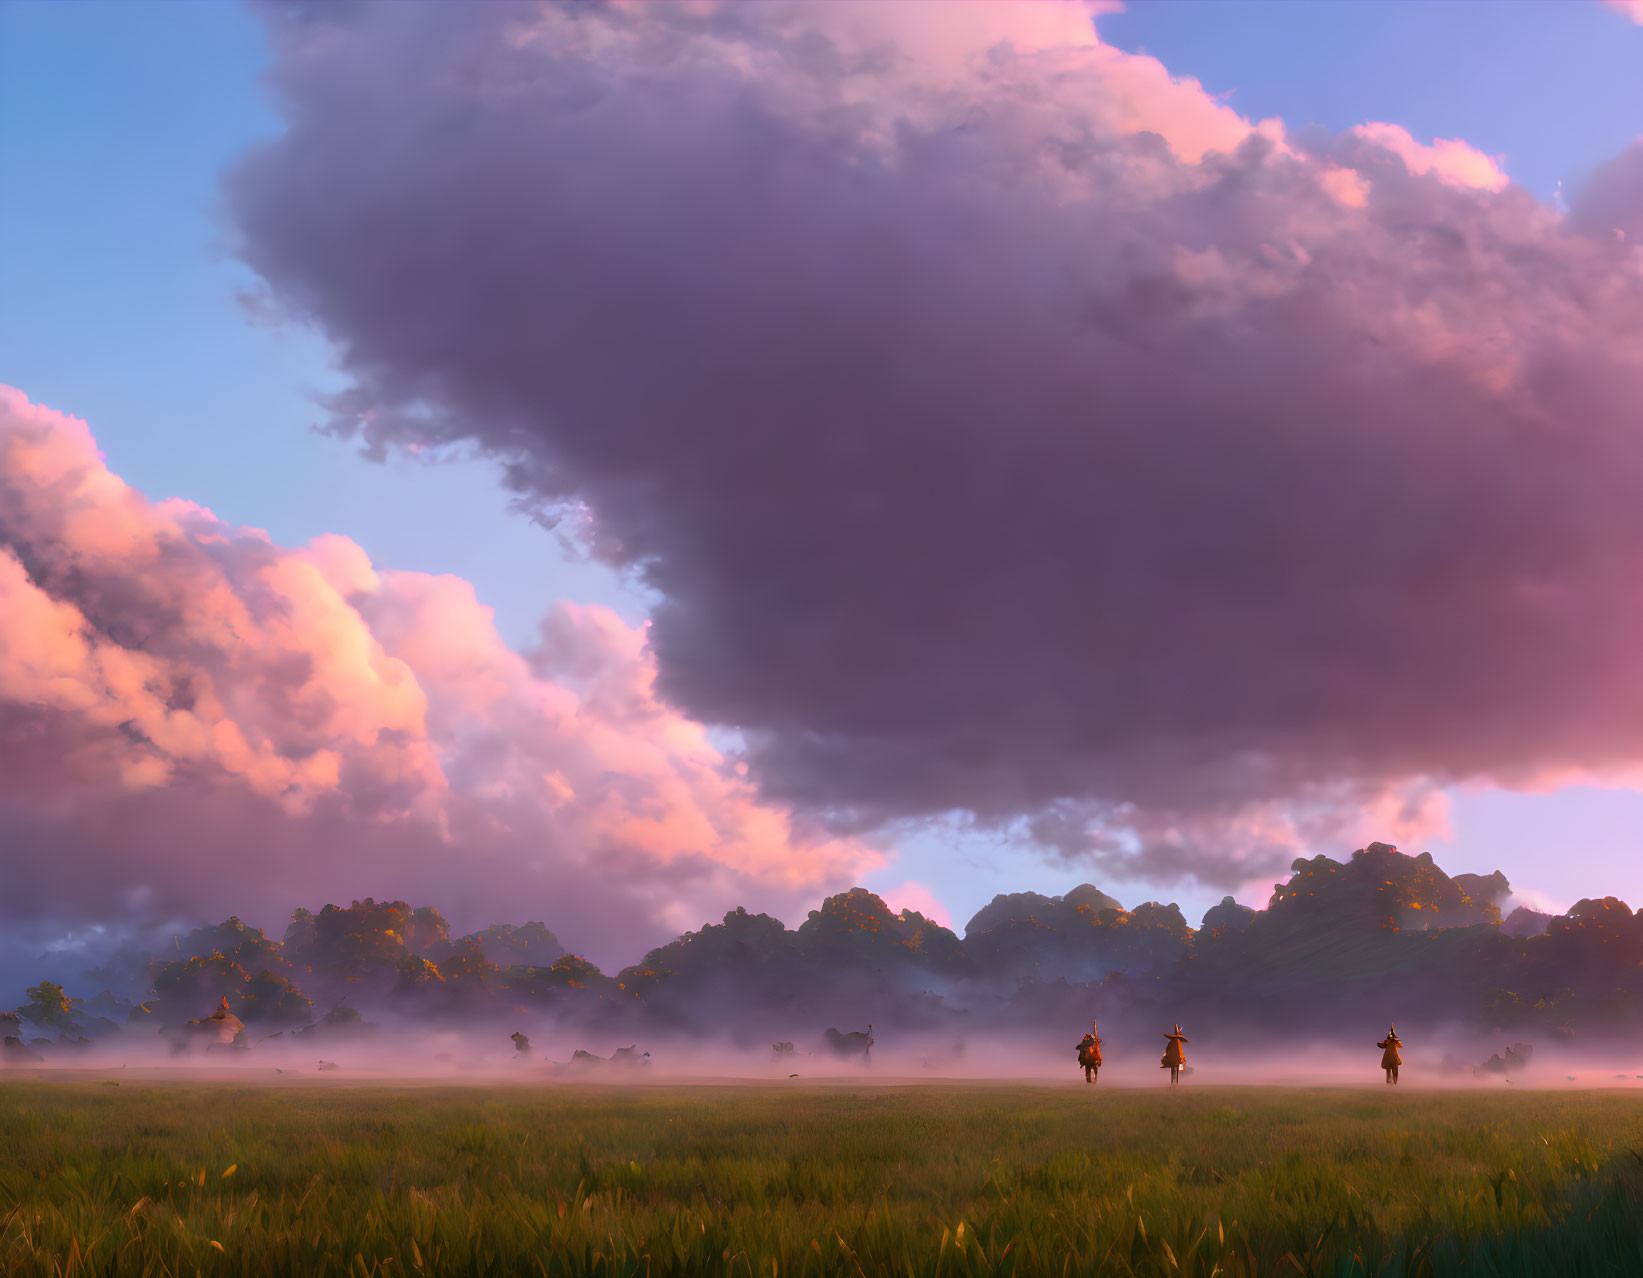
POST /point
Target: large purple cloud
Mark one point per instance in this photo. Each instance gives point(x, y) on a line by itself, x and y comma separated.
point(1005, 426)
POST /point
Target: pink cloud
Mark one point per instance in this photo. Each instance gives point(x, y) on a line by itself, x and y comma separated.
point(1450, 160)
point(913, 895)
point(1633, 9)
point(370, 728)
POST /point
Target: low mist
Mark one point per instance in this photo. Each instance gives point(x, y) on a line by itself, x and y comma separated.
point(1454, 1060)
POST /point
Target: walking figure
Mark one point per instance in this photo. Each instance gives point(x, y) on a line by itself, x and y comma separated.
point(1175, 1060)
point(1089, 1053)
point(1391, 1058)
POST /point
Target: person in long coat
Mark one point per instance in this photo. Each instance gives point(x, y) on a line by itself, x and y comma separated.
point(1089, 1053)
point(1175, 1059)
point(1391, 1057)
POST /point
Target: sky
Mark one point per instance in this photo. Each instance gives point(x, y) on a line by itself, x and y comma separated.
point(184, 269)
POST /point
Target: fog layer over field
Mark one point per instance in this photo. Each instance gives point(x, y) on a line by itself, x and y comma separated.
point(1458, 1059)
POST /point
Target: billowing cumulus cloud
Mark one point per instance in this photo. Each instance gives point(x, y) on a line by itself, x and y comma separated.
point(1006, 425)
point(1612, 203)
point(1450, 160)
point(194, 720)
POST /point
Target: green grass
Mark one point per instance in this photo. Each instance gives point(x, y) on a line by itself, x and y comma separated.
point(225, 1179)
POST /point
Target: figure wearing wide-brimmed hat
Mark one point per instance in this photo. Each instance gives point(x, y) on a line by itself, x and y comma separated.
point(1175, 1059)
point(1391, 1058)
point(1089, 1053)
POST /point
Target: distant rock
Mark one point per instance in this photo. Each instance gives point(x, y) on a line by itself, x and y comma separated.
point(1524, 922)
point(1016, 907)
point(1483, 887)
point(1227, 918)
point(1029, 936)
point(1086, 896)
point(530, 945)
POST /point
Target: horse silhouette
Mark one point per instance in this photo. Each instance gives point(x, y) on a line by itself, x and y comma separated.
point(848, 1045)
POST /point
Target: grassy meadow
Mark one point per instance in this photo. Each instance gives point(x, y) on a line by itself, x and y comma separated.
point(203, 1178)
